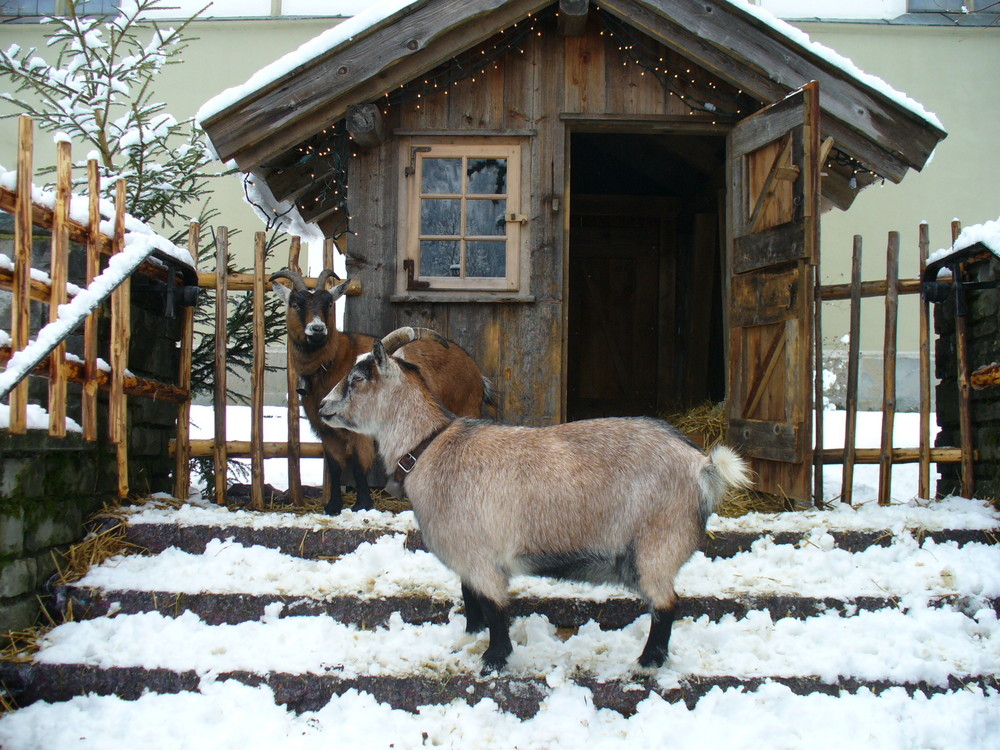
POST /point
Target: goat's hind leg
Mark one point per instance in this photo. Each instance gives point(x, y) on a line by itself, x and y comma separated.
point(657, 645)
point(475, 620)
point(363, 498)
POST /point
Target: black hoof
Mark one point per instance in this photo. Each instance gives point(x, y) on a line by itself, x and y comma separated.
point(494, 661)
point(652, 660)
point(333, 508)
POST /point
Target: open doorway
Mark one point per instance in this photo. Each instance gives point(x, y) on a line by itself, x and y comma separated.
point(644, 324)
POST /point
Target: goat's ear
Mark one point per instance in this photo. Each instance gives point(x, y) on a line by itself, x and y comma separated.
point(340, 290)
point(379, 355)
point(281, 290)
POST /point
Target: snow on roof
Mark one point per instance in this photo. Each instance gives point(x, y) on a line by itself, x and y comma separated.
point(378, 12)
point(339, 34)
point(987, 234)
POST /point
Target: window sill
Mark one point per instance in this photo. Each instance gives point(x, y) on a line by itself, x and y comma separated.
point(455, 296)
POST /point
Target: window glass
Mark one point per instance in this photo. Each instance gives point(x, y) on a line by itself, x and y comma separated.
point(442, 176)
point(486, 217)
point(487, 176)
point(27, 7)
point(486, 258)
point(440, 258)
point(441, 216)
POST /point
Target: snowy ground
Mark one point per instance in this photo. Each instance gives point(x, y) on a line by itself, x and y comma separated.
point(926, 643)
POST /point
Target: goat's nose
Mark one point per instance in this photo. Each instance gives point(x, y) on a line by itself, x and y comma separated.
point(316, 328)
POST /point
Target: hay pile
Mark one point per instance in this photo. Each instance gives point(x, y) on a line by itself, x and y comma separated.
point(705, 425)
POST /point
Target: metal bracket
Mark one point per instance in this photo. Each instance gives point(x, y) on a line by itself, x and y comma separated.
point(412, 285)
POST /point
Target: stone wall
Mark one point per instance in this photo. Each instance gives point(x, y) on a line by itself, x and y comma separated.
point(50, 486)
point(983, 326)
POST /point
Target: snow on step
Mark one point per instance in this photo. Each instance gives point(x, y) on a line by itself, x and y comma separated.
point(920, 645)
point(386, 568)
point(229, 714)
point(949, 513)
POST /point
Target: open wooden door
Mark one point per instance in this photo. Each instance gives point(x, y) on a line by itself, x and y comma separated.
point(773, 253)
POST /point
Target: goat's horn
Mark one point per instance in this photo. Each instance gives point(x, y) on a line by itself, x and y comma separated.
point(403, 336)
point(287, 273)
point(323, 277)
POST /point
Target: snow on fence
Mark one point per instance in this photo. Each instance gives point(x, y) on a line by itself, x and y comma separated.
point(101, 228)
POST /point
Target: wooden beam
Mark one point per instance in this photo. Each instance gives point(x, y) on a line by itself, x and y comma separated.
point(572, 17)
point(244, 449)
point(219, 392)
point(20, 306)
point(366, 125)
point(59, 273)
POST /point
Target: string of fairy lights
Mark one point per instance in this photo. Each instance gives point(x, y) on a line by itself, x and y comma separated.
point(324, 157)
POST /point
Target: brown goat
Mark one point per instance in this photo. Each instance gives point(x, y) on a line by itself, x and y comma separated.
point(322, 355)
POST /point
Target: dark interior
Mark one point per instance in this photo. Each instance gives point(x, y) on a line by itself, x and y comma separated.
point(644, 298)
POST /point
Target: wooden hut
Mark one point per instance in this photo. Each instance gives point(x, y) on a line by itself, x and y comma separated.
point(613, 206)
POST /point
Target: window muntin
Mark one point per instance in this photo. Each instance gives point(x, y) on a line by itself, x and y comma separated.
point(463, 223)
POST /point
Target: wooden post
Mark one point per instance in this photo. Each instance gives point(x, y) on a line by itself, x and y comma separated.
point(120, 335)
point(964, 388)
point(20, 312)
point(328, 248)
point(818, 391)
point(257, 376)
point(59, 275)
point(182, 455)
point(889, 369)
point(90, 386)
point(924, 475)
point(294, 445)
point(219, 394)
point(853, 365)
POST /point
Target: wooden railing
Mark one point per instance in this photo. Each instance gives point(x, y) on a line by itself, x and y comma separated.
point(887, 455)
point(46, 356)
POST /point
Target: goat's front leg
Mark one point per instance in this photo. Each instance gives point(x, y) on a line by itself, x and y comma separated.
point(335, 498)
point(364, 493)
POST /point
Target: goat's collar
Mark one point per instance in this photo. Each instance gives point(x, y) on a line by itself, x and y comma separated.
point(408, 460)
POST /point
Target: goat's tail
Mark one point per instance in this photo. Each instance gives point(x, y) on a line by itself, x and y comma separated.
point(491, 395)
point(725, 469)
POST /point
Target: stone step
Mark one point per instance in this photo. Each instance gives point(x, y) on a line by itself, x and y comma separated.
point(521, 696)
point(563, 612)
point(313, 542)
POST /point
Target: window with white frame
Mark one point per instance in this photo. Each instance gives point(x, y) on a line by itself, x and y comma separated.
point(33, 8)
point(462, 225)
point(953, 6)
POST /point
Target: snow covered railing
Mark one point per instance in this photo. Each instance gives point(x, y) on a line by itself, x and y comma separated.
point(101, 228)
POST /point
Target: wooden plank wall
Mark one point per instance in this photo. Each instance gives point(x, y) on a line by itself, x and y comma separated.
point(517, 344)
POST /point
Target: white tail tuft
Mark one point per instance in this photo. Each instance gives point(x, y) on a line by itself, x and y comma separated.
point(734, 470)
